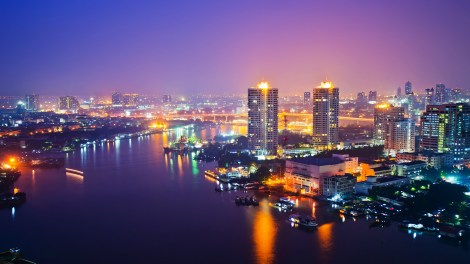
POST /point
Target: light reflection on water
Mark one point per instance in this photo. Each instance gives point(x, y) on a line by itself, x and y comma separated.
point(264, 234)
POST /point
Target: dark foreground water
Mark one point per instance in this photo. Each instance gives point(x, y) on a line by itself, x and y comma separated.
point(137, 205)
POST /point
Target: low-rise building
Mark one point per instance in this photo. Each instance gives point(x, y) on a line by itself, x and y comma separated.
point(306, 174)
point(410, 169)
point(339, 185)
point(373, 181)
point(351, 163)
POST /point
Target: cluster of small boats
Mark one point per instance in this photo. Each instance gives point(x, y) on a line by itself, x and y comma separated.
point(247, 201)
point(284, 204)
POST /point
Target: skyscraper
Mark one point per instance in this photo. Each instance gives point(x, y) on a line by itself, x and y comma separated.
point(383, 115)
point(399, 91)
point(429, 96)
point(400, 136)
point(440, 93)
point(116, 98)
point(307, 98)
point(32, 102)
point(408, 88)
point(262, 119)
point(372, 96)
point(68, 103)
point(325, 115)
point(446, 128)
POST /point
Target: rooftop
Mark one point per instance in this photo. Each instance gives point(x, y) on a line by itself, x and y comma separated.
point(318, 161)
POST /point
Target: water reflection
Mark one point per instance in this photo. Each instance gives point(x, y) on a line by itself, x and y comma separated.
point(264, 234)
point(325, 239)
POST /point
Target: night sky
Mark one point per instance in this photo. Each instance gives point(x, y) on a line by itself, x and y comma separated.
point(223, 46)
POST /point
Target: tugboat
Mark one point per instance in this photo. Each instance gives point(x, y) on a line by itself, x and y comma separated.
point(302, 221)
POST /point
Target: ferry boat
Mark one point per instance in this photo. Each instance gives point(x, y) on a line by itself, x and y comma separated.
point(302, 221)
point(73, 171)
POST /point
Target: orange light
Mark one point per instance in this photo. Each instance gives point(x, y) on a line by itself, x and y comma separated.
point(263, 85)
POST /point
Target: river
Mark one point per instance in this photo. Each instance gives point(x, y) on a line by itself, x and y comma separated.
point(137, 205)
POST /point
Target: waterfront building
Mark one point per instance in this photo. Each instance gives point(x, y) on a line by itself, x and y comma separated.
point(306, 175)
point(373, 181)
point(32, 102)
point(446, 128)
point(339, 185)
point(384, 114)
point(408, 88)
point(263, 119)
point(325, 116)
point(68, 103)
point(410, 169)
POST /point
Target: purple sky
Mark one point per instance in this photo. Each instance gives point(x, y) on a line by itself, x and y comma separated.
point(95, 47)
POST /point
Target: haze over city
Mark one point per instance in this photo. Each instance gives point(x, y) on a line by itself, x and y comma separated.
point(154, 47)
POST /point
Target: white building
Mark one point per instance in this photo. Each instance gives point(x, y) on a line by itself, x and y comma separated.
point(307, 174)
point(262, 119)
point(325, 116)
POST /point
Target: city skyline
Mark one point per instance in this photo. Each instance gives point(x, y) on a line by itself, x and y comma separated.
point(102, 47)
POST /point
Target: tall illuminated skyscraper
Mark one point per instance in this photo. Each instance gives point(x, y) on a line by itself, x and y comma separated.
point(325, 115)
point(262, 119)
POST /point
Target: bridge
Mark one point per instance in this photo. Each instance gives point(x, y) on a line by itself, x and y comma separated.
point(231, 116)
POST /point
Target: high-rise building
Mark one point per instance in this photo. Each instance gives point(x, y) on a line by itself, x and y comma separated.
point(440, 93)
point(408, 88)
point(166, 99)
point(69, 103)
point(399, 91)
point(262, 119)
point(399, 136)
point(307, 98)
point(361, 98)
point(32, 102)
point(325, 116)
point(372, 96)
point(384, 114)
point(130, 99)
point(116, 98)
point(446, 128)
point(456, 95)
point(429, 96)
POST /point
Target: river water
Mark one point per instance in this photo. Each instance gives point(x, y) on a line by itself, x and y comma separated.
point(137, 205)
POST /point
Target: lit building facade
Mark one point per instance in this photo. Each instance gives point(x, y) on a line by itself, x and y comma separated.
point(32, 102)
point(263, 103)
point(446, 128)
point(68, 103)
point(384, 114)
point(400, 137)
point(325, 103)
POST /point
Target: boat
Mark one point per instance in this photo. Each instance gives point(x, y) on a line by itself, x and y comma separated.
point(302, 221)
point(73, 171)
point(282, 205)
point(246, 201)
point(12, 199)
